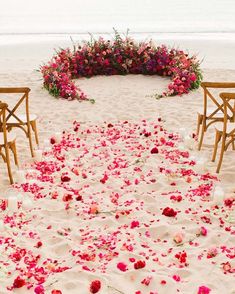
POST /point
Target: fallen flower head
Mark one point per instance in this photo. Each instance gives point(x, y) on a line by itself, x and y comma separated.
point(139, 264)
point(203, 290)
point(170, 212)
point(178, 238)
point(18, 282)
point(95, 286)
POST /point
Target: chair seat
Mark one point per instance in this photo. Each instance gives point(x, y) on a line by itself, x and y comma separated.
point(22, 117)
point(230, 127)
point(11, 136)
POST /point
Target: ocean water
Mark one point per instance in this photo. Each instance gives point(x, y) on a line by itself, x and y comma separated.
point(100, 16)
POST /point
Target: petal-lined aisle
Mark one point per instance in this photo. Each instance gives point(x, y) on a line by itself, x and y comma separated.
point(118, 208)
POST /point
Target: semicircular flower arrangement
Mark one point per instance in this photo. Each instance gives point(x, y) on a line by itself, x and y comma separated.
point(121, 56)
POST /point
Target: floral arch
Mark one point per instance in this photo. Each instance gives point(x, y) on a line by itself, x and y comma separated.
point(121, 56)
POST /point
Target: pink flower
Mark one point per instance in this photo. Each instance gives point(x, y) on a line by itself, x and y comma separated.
point(178, 238)
point(193, 77)
point(203, 231)
point(212, 252)
point(176, 278)
point(203, 290)
point(94, 209)
point(122, 266)
point(39, 289)
point(227, 266)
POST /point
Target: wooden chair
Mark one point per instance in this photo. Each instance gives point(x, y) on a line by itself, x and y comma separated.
point(214, 114)
point(225, 130)
point(25, 121)
point(7, 141)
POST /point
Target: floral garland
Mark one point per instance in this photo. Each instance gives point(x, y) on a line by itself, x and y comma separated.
point(121, 56)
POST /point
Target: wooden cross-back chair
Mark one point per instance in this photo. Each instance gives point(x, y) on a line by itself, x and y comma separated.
point(225, 131)
point(7, 141)
point(26, 121)
point(210, 116)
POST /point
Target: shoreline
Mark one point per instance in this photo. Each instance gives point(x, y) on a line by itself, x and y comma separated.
point(215, 50)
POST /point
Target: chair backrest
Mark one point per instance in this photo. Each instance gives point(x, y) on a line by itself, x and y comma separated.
point(24, 98)
point(3, 129)
point(218, 103)
point(228, 103)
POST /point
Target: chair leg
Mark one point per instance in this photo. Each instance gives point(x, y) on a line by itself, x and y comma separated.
point(217, 139)
point(34, 128)
point(199, 122)
point(233, 143)
point(221, 154)
point(8, 164)
point(3, 155)
point(203, 129)
point(13, 148)
point(30, 140)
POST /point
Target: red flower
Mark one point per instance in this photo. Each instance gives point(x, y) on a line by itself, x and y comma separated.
point(52, 141)
point(67, 197)
point(39, 244)
point(65, 178)
point(146, 281)
point(79, 198)
point(229, 202)
point(154, 150)
point(18, 282)
point(176, 198)
point(147, 134)
point(104, 179)
point(182, 257)
point(56, 292)
point(135, 224)
point(95, 286)
point(170, 212)
point(122, 266)
point(139, 264)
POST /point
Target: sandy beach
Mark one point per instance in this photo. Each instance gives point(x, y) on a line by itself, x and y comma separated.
point(119, 99)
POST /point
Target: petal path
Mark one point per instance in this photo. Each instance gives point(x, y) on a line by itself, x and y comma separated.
point(120, 207)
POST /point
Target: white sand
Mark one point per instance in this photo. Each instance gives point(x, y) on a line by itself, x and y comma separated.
point(118, 98)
